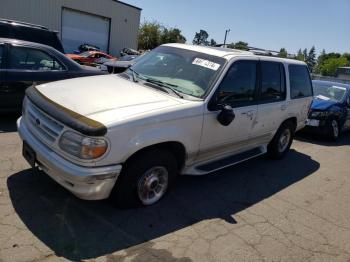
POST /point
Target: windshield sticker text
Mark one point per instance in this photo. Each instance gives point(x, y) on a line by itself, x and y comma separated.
point(206, 64)
point(339, 87)
point(322, 97)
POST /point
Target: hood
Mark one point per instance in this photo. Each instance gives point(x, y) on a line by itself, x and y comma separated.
point(94, 96)
point(322, 104)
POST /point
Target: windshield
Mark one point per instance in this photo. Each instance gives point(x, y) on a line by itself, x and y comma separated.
point(329, 91)
point(188, 72)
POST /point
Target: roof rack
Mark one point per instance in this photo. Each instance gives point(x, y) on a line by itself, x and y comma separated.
point(23, 23)
point(259, 51)
point(266, 52)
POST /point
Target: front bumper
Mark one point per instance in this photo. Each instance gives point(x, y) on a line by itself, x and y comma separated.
point(321, 129)
point(89, 183)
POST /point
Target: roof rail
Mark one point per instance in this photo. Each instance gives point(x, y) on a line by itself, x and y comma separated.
point(23, 23)
point(266, 52)
point(259, 51)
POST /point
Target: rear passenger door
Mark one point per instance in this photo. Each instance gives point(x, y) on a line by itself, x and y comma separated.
point(272, 102)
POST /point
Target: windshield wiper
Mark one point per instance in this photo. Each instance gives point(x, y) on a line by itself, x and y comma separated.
point(134, 74)
point(164, 84)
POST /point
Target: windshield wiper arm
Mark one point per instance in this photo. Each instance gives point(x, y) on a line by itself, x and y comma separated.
point(134, 74)
point(164, 84)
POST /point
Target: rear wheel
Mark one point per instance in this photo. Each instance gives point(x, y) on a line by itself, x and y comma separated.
point(281, 142)
point(145, 179)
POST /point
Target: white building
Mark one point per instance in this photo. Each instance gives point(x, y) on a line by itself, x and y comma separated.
point(108, 24)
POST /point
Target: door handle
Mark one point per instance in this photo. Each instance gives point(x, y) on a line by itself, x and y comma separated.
point(283, 107)
point(249, 114)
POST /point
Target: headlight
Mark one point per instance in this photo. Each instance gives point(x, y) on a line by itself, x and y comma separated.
point(318, 114)
point(82, 146)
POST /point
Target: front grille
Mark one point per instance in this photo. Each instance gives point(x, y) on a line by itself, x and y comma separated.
point(41, 125)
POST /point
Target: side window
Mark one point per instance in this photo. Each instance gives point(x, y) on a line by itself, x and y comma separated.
point(272, 81)
point(32, 59)
point(238, 88)
point(300, 83)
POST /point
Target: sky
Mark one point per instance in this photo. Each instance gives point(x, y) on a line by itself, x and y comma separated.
point(268, 24)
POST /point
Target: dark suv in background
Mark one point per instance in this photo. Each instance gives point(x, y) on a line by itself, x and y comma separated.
point(23, 64)
point(30, 32)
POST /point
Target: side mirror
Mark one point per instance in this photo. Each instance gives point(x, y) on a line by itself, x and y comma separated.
point(226, 116)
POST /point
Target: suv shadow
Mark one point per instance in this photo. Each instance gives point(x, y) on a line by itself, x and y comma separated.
point(343, 140)
point(8, 122)
point(77, 229)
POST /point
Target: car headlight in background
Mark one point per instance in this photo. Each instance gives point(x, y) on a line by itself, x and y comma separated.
point(319, 114)
point(82, 146)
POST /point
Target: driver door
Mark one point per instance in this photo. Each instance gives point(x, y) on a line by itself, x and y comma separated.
point(239, 90)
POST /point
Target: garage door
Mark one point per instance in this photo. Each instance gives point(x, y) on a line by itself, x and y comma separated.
point(82, 28)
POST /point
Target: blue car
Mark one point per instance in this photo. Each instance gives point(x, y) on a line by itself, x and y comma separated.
point(330, 109)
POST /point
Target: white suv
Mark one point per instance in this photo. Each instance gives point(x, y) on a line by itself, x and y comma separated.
point(181, 109)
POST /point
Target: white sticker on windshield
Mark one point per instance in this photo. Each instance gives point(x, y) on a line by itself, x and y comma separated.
point(322, 97)
point(339, 87)
point(206, 64)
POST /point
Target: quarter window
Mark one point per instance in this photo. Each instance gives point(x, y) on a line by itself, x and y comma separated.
point(300, 82)
point(32, 59)
point(272, 81)
point(238, 88)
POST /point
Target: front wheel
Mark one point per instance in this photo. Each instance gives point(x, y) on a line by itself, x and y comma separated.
point(145, 179)
point(281, 142)
point(333, 130)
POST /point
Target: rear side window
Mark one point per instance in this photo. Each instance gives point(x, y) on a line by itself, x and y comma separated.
point(24, 58)
point(300, 82)
point(272, 81)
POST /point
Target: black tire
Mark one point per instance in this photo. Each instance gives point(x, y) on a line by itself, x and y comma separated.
point(333, 129)
point(274, 150)
point(125, 193)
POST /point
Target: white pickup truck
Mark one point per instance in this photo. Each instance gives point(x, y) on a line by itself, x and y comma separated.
point(181, 109)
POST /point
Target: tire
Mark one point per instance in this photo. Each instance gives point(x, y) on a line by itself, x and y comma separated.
point(333, 130)
point(281, 142)
point(153, 169)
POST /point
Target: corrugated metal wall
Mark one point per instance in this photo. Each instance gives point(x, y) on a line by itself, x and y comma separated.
point(125, 20)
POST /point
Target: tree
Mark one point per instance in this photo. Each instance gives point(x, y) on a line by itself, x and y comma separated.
point(300, 55)
point(172, 35)
point(212, 42)
point(153, 34)
point(330, 65)
point(201, 38)
point(149, 35)
point(320, 61)
point(238, 45)
point(283, 53)
point(241, 45)
point(311, 59)
point(305, 54)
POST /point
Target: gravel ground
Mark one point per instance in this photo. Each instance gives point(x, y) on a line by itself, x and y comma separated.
point(296, 209)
